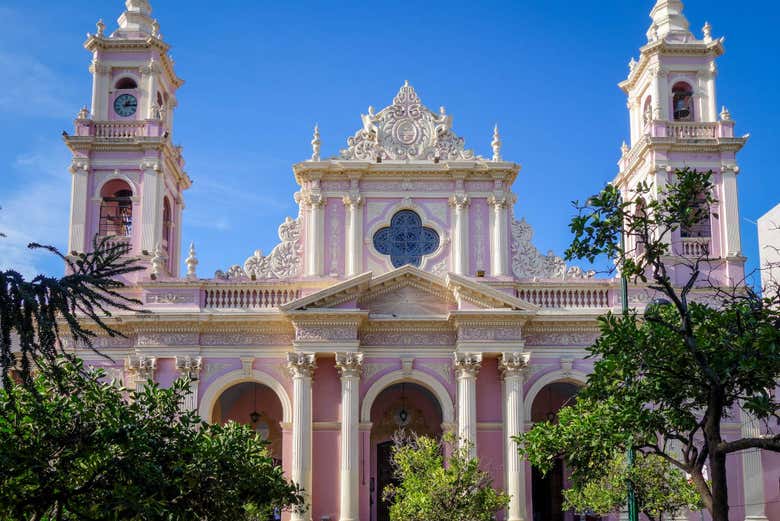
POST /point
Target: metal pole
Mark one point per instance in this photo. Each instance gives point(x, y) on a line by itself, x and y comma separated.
point(633, 511)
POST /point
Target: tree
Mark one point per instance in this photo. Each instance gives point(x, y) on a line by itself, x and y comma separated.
point(34, 312)
point(661, 489)
point(429, 490)
point(81, 447)
point(667, 379)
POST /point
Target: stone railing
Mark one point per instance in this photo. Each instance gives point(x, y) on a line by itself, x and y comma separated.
point(115, 240)
point(250, 296)
point(566, 296)
point(118, 129)
point(695, 246)
point(681, 130)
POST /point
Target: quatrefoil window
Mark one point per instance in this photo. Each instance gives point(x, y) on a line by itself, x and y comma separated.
point(406, 240)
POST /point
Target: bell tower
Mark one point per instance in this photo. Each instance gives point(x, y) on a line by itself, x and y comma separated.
point(128, 178)
point(674, 123)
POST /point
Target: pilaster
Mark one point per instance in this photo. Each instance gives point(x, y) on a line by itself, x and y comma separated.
point(460, 233)
point(512, 366)
point(353, 202)
point(349, 366)
point(315, 232)
point(732, 244)
point(467, 367)
point(151, 227)
point(99, 89)
point(499, 254)
point(301, 368)
point(189, 367)
point(77, 240)
point(753, 472)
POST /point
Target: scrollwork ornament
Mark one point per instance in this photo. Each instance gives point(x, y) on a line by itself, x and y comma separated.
point(513, 364)
point(529, 263)
point(350, 365)
point(301, 365)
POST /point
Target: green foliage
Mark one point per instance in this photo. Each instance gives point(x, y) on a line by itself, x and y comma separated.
point(35, 311)
point(81, 448)
point(660, 489)
point(429, 490)
point(663, 382)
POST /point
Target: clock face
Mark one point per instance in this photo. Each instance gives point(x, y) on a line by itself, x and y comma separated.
point(125, 105)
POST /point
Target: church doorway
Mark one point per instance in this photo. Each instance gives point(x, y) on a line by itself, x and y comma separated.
point(547, 490)
point(256, 405)
point(406, 407)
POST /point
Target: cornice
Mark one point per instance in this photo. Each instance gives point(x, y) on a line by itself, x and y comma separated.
point(95, 43)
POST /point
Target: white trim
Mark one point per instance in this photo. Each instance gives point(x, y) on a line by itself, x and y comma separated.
point(113, 176)
point(575, 377)
point(417, 377)
point(233, 378)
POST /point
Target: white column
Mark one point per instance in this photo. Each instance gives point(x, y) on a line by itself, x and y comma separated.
point(149, 73)
point(729, 218)
point(353, 202)
point(189, 367)
point(301, 367)
point(466, 369)
point(141, 369)
point(712, 100)
point(99, 89)
point(349, 366)
point(659, 111)
point(77, 240)
point(460, 233)
point(512, 365)
point(498, 235)
point(753, 472)
point(149, 207)
point(315, 234)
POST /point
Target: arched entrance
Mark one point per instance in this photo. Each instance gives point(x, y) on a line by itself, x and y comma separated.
point(547, 490)
point(257, 405)
point(405, 405)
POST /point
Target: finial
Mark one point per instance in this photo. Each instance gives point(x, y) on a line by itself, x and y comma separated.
point(83, 113)
point(156, 29)
point(406, 83)
point(707, 30)
point(442, 110)
point(101, 27)
point(624, 148)
point(158, 261)
point(315, 144)
point(632, 65)
point(725, 115)
point(653, 35)
point(496, 144)
point(192, 263)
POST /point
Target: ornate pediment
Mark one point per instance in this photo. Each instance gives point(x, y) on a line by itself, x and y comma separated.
point(406, 130)
point(529, 263)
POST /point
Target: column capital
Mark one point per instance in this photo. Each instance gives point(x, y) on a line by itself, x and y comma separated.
point(353, 199)
point(189, 366)
point(349, 365)
point(513, 364)
point(99, 67)
point(141, 367)
point(460, 201)
point(301, 365)
point(312, 199)
point(467, 365)
point(499, 200)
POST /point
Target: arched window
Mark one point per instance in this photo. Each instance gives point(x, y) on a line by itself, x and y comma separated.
point(682, 101)
point(167, 224)
point(701, 227)
point(406, 240)
point(116, 209)
point(126, 84)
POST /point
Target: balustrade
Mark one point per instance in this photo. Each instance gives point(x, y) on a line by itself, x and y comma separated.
point(248, 297)
point(565, 297)
point(695, 246)
point(681, 130)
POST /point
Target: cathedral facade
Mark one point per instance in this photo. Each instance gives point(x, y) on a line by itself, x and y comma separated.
point(405, 293)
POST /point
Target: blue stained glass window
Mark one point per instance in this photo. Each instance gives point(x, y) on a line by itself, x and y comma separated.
point(406, 240)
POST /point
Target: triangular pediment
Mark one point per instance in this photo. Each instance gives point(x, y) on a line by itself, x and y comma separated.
point(409, 291)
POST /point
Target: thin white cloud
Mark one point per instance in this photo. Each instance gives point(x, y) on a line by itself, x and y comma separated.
point(31, 88)
point(35, 211)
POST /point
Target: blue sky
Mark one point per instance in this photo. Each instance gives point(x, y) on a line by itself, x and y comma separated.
point(260, 74)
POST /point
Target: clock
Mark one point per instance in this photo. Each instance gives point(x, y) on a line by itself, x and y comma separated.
point(125, 105)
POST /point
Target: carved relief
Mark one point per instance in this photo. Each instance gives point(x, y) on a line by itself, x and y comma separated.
point(214, 368)
point(490, 333)
point(166, 339)
point(529, 263)
point(169, 298)
point(244, 338)
point(285, 260)
point(560, 338)
point(406, 338)
point(372, 368)
point(406, 130)
point(442, 369)
point(323, 333)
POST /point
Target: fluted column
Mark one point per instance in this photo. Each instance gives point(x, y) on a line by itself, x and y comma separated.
point(466, 369)
point(151, 197)
point(301, 367)
point(315, 234)
point(349, 366)
point(189, 367)
point(78, 206)
point(753, 472)
point(353, 202)
point(149, 75)
point(498, 235)
point(732, 243)
point(99, 89)
point(512, 366)
point(460, 233)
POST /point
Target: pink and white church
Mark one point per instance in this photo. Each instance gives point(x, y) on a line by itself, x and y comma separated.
point(405, 293)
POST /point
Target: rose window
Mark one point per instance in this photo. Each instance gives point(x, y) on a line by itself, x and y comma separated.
point(406, 240)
